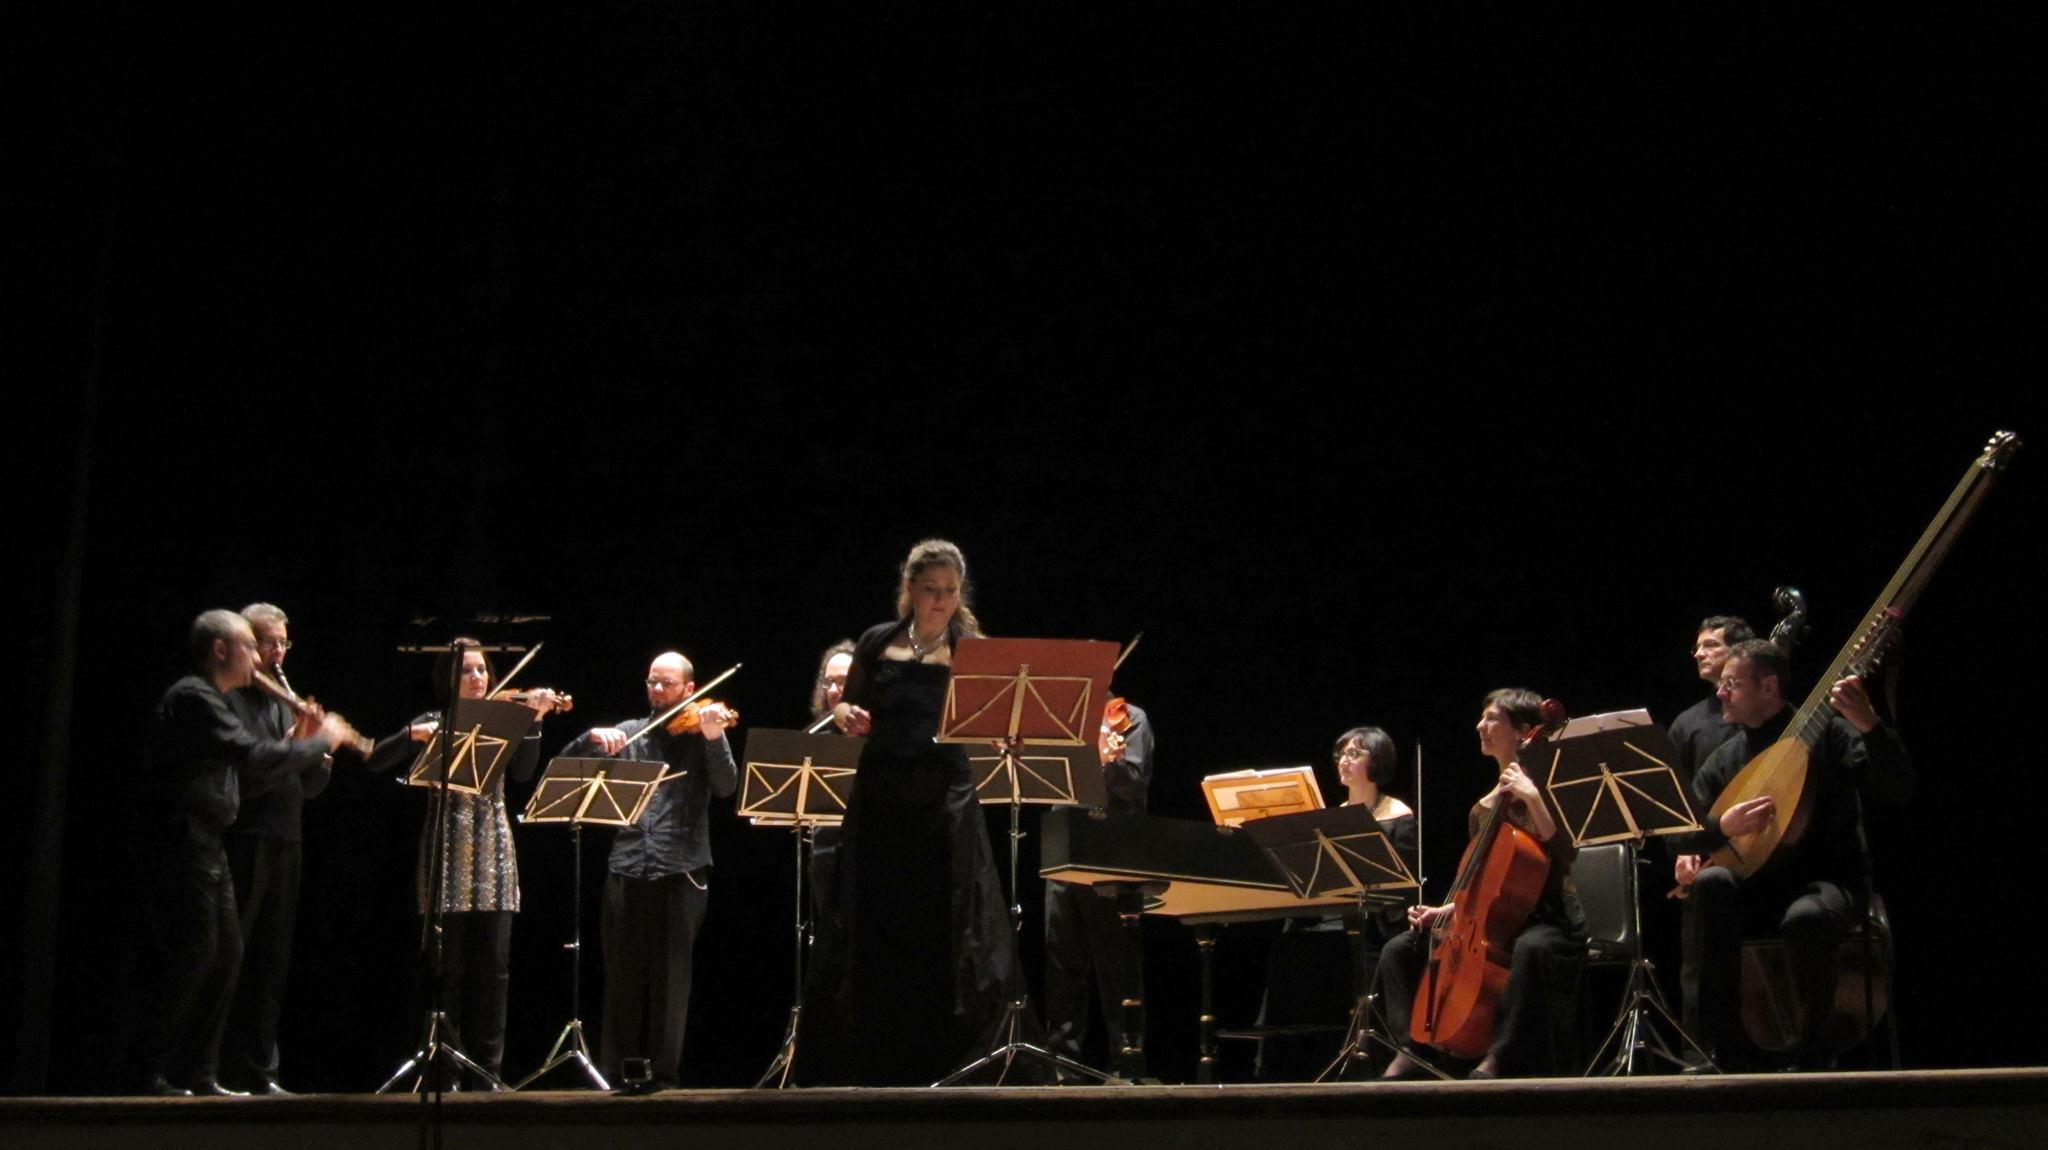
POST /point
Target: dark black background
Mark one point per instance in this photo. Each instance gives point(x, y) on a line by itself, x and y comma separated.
point(1364, 360)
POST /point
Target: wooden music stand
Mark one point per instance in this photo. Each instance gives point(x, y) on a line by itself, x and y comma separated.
point(1609, 779)
point(1037, 703)
point(608, 792)
point(802, 781)
point(1239, 797)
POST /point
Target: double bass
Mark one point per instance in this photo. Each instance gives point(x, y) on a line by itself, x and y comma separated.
point(1500, 879)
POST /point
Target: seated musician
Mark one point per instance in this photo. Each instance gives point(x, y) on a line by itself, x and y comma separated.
point(1302, 979)
point(1533, 1025)
point(1807, 890)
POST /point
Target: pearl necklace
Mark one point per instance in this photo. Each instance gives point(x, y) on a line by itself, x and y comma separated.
point(917, 650)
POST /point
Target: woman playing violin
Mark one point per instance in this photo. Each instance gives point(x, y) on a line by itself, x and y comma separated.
point(480, 885)
point(1532, 1026)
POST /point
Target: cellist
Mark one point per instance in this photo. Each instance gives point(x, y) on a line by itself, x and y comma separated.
point(1534, 1018)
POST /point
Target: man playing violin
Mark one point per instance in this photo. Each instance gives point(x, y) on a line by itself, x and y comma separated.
point(1807, 893)
point(1083, 924)
point(660, 874)
point(201, 746)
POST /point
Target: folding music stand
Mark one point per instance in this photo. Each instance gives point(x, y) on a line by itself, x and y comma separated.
point(481, 734)
point(608, 792)
point(1609, 778)
point(1037, 703)
point(802, 781)
point(1339, 852)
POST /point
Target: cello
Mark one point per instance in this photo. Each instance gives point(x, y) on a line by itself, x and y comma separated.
point(1500, 879)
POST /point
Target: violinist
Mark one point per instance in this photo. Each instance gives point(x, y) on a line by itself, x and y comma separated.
point(1807, 895)
point(1532, 1026)
point(1083, 927)
point(659, 879)
point(480, 884)
point(826, 691)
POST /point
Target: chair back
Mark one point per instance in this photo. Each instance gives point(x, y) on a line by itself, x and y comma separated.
point(1605, 876)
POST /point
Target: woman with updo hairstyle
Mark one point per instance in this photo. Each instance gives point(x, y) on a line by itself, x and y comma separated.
point(1532, 1031)
point(918, 959)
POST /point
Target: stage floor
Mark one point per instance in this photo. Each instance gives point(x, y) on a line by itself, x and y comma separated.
point(1949, 1108)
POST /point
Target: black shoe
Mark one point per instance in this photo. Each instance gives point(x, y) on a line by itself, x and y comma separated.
point(208, 1088)
point(268, 1086)
point(158, 1086)
point(1482, 1075)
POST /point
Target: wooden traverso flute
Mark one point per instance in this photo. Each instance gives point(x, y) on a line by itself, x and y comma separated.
point(361, 742)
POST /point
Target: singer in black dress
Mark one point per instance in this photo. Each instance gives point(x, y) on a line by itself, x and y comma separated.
point(918, 957)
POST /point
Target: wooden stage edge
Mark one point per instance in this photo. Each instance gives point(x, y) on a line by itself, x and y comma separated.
point(1948, 1108)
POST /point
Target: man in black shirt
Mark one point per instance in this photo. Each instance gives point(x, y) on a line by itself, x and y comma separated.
point(1700, 728)
point(1695, 733)
point(660, 880)
point(267, 858)
point(200, 746)
point(1807, 889)
point(1083, 924)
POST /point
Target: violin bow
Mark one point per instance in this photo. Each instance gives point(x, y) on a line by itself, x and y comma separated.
point(1113, 667)
point(513, 673)
point(672, 712)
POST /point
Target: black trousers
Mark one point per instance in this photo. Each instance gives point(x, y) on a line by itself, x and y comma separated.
point(267, 870)
point(1083, 932)
point(476, 980)
point(1811, 916)
point(650, 935)
point(1532, 1029)
point(185, 972)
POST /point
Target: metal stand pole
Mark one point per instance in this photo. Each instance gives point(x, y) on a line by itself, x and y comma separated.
point(570, 1045)
point(1008, 1050)
point(784, 1061)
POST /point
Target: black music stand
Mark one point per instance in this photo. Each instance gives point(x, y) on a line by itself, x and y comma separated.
point(802, 781)
point(1339, 852)
point(481, 734)
point(608, 792)
point(473, 744)
point(1609, 779)
point(1038, 704)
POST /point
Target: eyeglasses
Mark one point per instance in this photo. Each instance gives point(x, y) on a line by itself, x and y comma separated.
point(1353, 754)
point(280, 644)
point(1730, 682)
point(662, 683)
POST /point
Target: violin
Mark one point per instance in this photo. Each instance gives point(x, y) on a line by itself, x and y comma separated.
point(1116, 726)
point(563, 702)
point(689, 718)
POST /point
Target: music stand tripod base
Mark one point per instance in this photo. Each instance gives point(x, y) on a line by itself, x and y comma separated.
point(433, 1048)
